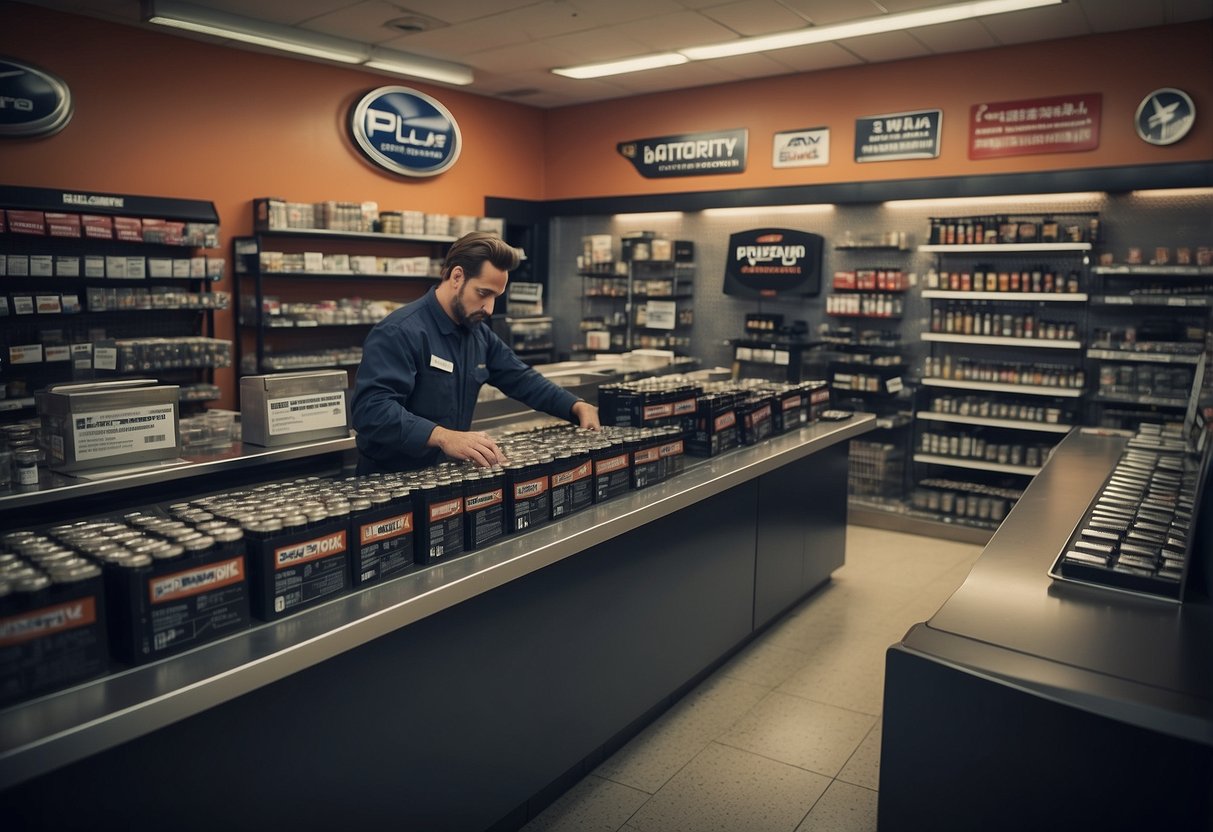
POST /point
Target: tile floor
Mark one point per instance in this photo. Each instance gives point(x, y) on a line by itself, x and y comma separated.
point(786, 735)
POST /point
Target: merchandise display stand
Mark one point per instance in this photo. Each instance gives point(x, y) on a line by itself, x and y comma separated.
point(1025, 699)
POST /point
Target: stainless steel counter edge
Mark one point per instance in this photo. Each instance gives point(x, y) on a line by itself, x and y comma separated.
point(58, 729)
point(250, 456)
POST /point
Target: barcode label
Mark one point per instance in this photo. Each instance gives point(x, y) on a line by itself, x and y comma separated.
point(151, 440)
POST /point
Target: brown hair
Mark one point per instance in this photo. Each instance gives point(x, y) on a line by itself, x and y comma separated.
point(472, 250)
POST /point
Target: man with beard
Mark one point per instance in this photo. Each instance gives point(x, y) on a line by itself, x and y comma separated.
point(423, 366)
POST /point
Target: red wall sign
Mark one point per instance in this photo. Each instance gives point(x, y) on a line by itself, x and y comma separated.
point(1065, 124)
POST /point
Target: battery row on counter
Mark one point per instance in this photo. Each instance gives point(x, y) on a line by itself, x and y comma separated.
point(151, 583)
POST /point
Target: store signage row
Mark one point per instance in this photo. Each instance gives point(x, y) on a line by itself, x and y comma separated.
point(405, 131)
point(773, 262)
point(888, 138)
point(689, 154)
point(801, 148)
point(32, 102)
point(1063, 124)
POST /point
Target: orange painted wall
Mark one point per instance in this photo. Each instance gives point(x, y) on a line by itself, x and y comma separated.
point(167, 116)
point(1124, 66)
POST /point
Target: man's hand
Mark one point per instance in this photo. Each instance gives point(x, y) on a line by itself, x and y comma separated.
point(473, 444)
point(586, 415)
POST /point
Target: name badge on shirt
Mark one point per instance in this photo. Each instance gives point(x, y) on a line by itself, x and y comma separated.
point(440, 363)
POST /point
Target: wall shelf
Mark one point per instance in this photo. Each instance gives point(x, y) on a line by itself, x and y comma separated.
point(991, 340)
point(1009, 424)
point(1179, 301)
point(999, 387)
point(1152, 401)
point(1143, 357)
point(330, 234)
point(1154, 271)
point(1034, 297)
point(977, 464)
point(1010, 248)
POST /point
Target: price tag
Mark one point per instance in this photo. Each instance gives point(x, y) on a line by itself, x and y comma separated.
point(894, 385)
point(23, 305)
point(48, 305)
point(82, 356)
point(661, 314)
point(105, 358)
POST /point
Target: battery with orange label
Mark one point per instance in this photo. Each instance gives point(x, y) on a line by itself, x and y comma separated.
point(381, 524)
point(528, 498)
point(438, 509)
point(612, 461)
point(715, 425)
point(174, 596)
point(572, 483)
point(673, 451)
point(483, 508)
point(295, 563)
point(755, 417)
point(647, 467)
point(52, 630)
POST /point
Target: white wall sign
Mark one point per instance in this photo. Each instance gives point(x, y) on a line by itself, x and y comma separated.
point(801, 148)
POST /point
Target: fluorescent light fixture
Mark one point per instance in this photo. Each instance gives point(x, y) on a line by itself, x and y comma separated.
point(620, 67)
point(206, 21)
point(1173, 192)
point(859, 28)
point(1016, 199)
point(650, 216)
point(766, 210)
point(808, 35)
point(401, 63)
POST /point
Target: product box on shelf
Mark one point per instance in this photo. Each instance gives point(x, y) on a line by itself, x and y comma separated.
point(755, 419)
point(715, 425)
point(26, 222)
point(647, 466)
point(97, 226)
point(103, 424)
point(286, 408)
point(382, 529)
point(483, 508)
point(52, 630)
point(438, 507)
point(572, 484)
point(612, 470)
point(295, 563)
point(62, 225)
point(528, 498)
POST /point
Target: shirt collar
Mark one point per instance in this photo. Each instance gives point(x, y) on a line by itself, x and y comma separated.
point(443, 321)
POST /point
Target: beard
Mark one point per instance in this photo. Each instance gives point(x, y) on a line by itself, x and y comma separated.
point(461, 312)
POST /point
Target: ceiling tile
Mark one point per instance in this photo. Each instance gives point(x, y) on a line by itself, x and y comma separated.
point(815, 56)
point(1064, 21)
point(1113, 17)
point(696, 74)
point(1184, 11)
point(887, 46)
point(456, 41)
point(899, 6)
point(291, 13)
point(495, 83)
point(596, 45)
point(521, 57)
point(960, 36)
point(824, 12)
point(599, 13)
point(756, 17)
point(361, 21)
point(675, 31)
point(462, 11)
point(543, 19)
point(123, 11)
point(749, 66)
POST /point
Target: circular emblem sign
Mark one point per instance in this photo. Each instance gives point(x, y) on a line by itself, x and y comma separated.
point(1165, 116)
point(406, 131)
point(32, 102)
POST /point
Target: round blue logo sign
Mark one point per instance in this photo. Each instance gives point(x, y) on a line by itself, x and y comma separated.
point(32, 102)
point(406, 131)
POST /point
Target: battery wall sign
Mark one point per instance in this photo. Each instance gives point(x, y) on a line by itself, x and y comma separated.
point(896, 136)
point(690, 154)
point(405, 131)
point(32, 101)
point(773, 262)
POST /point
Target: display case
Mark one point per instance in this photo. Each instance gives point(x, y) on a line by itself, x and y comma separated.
point(82, 272)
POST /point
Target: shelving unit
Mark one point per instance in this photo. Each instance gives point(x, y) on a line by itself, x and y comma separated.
point(998, 300)
point(270, 343)
point(642, 304)
point(85, 298)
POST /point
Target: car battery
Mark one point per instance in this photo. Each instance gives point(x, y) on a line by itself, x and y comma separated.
point(612, 468)
point(438, 507)
point(168, 595)
point(484, 507)
point(52, 627)
point(791, 409)
point(715, 428)
point(572, 483)
point(528, 498)
point(754, 416)
point(818, 394)
point(296, 561)
point(647, 466)
point(381, 524)
point(673, 451)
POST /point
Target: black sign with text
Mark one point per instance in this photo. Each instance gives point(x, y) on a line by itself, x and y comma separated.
point(773, 262)
point(887, 138)
point(692, 154)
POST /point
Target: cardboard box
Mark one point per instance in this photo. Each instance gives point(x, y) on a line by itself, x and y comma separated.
point(106, 424)
point(62, 225)
point(26, 222)
point(288, 408)
point(97, 227)
point(128, 229)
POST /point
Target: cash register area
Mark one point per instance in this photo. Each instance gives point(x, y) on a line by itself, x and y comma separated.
point(784, 737)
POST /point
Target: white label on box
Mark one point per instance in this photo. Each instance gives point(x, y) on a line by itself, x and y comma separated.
point(136, 267)
point(115, 267)
point(105, 358)
point(82, 356)
point(25, 354)
point(159, 267)
point(71, 304)
point(66, 266)
point(181, 267)
point(198, 267)
point(94, 266)
point(41, 265)
point(107, 433)
point(782, 357)
point(894, 385)
point(48, 305)
point(660, 314)
point(18, 265)
point(60, 353)
point(313, 261)
point(312, 411)
point(23, 305)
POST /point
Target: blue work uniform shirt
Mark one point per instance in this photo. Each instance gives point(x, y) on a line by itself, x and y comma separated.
point(420, 369)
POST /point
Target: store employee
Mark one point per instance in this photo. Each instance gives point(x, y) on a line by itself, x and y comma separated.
point(423, 366)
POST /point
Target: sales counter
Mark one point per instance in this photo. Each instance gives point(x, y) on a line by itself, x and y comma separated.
point(447, 697)
point(1029, 703)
